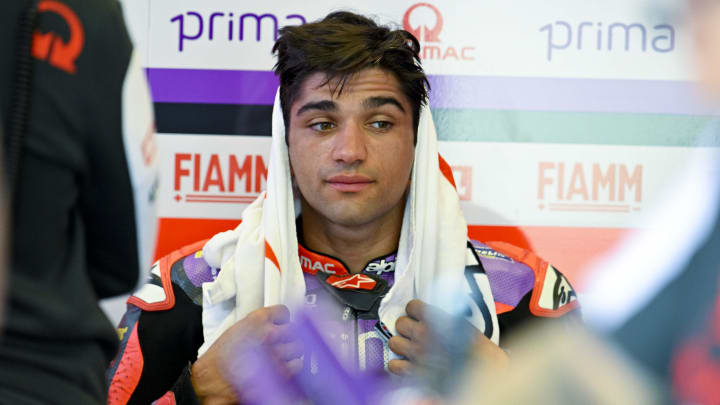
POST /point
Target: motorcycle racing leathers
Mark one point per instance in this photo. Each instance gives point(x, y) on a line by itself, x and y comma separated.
point(162, 328)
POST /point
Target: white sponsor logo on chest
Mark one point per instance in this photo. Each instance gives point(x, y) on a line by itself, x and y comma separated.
point(310, 264)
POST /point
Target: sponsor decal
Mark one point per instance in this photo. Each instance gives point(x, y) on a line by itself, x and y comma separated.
point(354, 282)
point(312, 262)
point(381, 266)
point(478, 312)
point(229, 26)
point(556, 290)
point(121, 332)
point(588, 36)
point(314, 266)
point(373, 353)
point(587, 186)
point(426, 22)
point(51, 47)
point(489, 253)
point(218, 178)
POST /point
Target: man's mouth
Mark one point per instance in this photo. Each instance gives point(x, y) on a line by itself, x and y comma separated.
point(349, 182)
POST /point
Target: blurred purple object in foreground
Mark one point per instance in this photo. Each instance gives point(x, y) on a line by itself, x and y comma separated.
point(330, 383)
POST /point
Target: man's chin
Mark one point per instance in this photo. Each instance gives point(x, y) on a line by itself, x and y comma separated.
point(350, 220)
point(348, 212)
point(349, 215)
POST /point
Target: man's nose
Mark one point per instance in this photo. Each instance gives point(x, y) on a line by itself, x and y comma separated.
point(350, 144)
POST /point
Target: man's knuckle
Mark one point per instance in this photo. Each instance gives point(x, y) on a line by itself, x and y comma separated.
point(395, 366)
point(401, 324)
point(414, 308)
point(394, 344)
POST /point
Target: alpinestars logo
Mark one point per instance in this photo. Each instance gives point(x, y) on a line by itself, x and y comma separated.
point(425, 22)
point(356, 282)
point(379, 267)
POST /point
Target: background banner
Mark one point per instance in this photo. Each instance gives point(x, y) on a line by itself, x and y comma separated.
point(563, 120)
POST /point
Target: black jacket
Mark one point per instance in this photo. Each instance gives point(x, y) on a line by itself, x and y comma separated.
point(86, 182)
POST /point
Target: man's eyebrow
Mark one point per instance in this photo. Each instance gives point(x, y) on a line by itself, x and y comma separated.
point(325, 105)
point(374, 102)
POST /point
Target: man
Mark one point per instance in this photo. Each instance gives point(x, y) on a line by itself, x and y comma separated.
point(380, 225)
point(84, 176)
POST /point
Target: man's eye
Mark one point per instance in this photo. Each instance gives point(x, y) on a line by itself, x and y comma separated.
point(383, 125)
point(322, 126)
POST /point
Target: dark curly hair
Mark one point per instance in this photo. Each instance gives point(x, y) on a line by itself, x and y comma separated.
point(342, 44)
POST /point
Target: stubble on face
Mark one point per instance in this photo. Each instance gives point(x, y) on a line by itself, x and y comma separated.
point(351, 154)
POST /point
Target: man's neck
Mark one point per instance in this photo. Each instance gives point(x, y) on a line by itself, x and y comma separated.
point(355, 245)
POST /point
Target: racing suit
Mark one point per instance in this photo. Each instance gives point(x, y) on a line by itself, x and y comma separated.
point(162, 328)
point(84, 219)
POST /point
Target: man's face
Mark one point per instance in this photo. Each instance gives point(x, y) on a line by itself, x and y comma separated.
point(351, 155)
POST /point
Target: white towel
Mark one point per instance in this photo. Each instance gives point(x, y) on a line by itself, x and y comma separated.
point(259, 259)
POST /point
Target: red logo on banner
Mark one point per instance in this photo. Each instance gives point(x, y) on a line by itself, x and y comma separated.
point(431, 34)
point(427, 31)
point(216, 178)
point(50, 46)
point(583, 187)
point(356, 282)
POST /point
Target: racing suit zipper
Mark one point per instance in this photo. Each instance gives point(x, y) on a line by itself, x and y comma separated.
point(349, 336)
point(354, 339)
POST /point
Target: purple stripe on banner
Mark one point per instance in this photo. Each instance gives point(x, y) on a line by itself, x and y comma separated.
point(212, 86)
point(565, 94)
point(471, 92)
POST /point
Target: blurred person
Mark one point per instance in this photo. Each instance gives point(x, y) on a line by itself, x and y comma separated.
point(3, 235)
point(354, 153)
point(80, 153)
point(694, 362)
point(666, 309)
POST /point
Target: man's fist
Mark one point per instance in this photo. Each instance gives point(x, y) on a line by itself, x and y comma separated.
point(417, 340)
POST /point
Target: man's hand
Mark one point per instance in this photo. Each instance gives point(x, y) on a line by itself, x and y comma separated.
point(415, 341)
point(267, 326)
